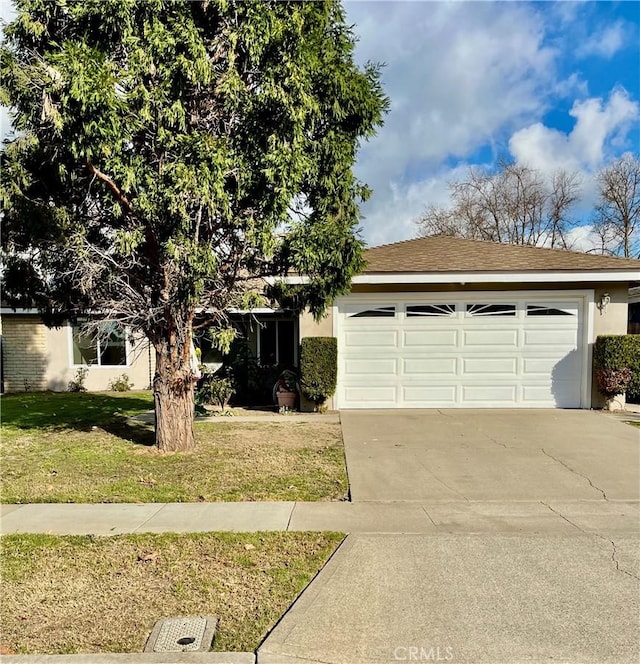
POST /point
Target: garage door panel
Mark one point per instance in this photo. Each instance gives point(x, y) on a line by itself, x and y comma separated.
point(371, 394)
point(489, 393)
point(535, 366)
point(562, 394)
point(368, 365)
point(490, 365)
point(491, 338)
point(429, 366)
point(429, 394)
point(555, 337)
point(427, 338)
point(378, 338)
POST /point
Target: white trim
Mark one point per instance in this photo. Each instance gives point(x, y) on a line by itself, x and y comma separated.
point(259, 310)
point(462, 278)
point(586, 310)
point(18, 312)
point(589, 340)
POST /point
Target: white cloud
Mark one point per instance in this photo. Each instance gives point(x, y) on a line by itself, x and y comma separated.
point(468, 79)
point(457, 75)
point(460, 76)
point(598, 124)
point(583, 238)
point(606, 42)
point(393, 218)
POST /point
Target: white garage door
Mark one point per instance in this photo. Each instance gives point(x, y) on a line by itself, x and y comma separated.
point(444, 351)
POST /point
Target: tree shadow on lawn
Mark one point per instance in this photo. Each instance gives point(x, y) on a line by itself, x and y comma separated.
point(56, 411)
point(138, 434)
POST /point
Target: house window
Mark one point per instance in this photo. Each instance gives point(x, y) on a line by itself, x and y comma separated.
point(209, 354)
point(491, 309)
point(545, 310)
point(276, 343)
point(431, 310)
point(375, 312)
point(105, 348)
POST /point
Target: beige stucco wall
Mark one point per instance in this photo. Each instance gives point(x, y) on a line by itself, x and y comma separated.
point(614, 319)
point(38, 358)
point(309, 327)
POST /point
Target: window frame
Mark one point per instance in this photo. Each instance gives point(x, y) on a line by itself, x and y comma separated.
point(535, 310)
point(277, 321)
point(385, 311)
point(97, 365)
point(479, 313)
point(438, 310)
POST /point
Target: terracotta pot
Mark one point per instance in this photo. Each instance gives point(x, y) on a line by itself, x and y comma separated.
point(287, 399)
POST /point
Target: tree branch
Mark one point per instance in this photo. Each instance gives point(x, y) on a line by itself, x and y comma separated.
point(122, 199)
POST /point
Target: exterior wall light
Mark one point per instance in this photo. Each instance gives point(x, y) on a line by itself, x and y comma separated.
point(604, 303)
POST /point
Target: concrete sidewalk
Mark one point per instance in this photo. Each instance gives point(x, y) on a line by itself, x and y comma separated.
point(553, 516)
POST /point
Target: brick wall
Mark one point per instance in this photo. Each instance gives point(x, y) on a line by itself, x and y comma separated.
point(24, 353)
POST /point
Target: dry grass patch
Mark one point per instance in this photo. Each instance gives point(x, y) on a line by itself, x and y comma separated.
point(112, 461)
point(85, 594)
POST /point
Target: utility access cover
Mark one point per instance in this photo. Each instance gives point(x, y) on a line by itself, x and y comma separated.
point(182, 634)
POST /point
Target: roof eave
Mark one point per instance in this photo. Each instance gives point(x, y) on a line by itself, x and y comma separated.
point(529, 276)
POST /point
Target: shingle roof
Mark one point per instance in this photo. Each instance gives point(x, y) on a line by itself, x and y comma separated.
point(449, 254)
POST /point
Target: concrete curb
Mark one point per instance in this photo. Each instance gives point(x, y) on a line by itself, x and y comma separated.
point(271, 418)
point(136, 658)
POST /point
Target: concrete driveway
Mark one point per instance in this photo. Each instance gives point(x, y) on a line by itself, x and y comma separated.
point(490, 455)
point(533, 556)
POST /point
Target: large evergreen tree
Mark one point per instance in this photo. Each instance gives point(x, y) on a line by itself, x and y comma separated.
point(169, 152)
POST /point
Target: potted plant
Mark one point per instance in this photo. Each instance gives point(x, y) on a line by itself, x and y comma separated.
point(613, 383)
point(285, 390)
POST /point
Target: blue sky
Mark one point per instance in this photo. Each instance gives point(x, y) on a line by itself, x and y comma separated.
point(548, 84)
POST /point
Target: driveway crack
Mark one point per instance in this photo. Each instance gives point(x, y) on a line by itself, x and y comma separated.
point(573, 470)
point(437, 479)
point(614, 550)
point(493, 440)
point(424, 509)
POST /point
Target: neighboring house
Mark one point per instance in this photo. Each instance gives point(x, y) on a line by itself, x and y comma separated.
point(430, 323)
point(634, 311)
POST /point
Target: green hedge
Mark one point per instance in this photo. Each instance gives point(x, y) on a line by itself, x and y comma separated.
point(318, 367)
point(619, 351)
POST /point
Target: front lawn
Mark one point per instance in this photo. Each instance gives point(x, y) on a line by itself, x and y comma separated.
point(80, 448)
point(86, 594)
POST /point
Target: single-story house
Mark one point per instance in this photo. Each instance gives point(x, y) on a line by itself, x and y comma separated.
point(430, 323)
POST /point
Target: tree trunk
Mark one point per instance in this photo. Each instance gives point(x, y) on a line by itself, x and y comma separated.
point(173, 397)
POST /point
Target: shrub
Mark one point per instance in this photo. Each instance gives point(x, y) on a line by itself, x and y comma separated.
point(613, 381)
point(120, 384)
point(77, 383)
point(318, 368)
point(614, 353)
point(214, 390)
